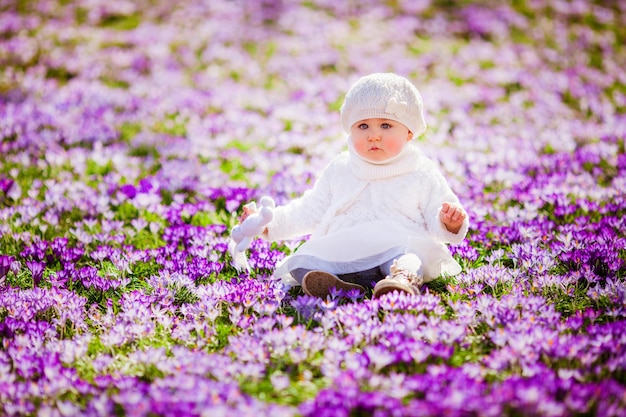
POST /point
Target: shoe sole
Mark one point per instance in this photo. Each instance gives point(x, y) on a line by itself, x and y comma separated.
point(384, 287)
point(319, 283)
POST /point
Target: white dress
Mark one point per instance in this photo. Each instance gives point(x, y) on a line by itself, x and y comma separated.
point(360, 215)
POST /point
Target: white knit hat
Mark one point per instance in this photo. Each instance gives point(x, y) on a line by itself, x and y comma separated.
point(385, 96)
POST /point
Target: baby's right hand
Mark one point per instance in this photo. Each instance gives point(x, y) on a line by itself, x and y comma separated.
point(248, 210)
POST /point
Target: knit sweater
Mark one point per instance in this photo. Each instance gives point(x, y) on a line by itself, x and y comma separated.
point(409, 190)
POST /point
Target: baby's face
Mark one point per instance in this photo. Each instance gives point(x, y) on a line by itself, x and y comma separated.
point(379, 139)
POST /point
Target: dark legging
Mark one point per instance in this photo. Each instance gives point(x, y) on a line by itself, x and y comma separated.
point(370, 277)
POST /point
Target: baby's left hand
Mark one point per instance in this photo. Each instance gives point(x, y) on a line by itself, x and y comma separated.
point(452, 216)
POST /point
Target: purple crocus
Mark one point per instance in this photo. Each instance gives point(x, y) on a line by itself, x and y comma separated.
point(128, 190)
point(36, 269)
point(5, 265)
point(5, 185)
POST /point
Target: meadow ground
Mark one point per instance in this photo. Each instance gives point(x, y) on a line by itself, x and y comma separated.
point(132, 132)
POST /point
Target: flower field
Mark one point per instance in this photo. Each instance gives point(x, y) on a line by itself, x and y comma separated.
point(132, 132)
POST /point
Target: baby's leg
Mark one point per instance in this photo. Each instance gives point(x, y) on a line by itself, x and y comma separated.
point(409, 262)
point(298, 274)
point(367, 278)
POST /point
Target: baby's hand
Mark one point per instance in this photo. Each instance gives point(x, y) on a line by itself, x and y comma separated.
point(452, 217)
point(248, 210)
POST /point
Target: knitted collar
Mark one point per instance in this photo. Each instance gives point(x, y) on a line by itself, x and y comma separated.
point(406, 161)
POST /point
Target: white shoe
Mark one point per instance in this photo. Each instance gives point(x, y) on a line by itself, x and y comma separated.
point(399, 280)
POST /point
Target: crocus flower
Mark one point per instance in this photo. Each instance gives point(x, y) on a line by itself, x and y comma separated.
point(36, 269)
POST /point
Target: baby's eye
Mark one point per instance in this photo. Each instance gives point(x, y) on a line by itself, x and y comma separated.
point(363, 126)
point(385, 126)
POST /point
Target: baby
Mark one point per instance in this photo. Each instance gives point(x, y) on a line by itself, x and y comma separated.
point(381, 213)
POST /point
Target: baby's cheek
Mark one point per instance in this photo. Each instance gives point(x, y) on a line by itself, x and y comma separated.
point(395, 148)
point(361, 147)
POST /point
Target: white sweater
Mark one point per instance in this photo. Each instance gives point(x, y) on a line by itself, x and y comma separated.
point(409, 189)
point(359, 213)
